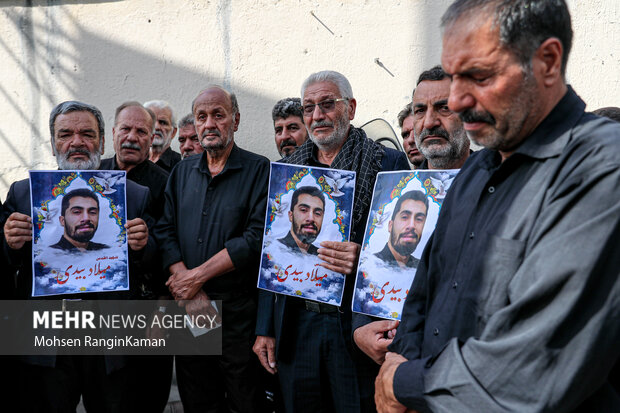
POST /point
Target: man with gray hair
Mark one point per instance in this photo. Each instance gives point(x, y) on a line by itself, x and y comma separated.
point(288, 123)
point(77, 139)
point(405, 123)
point(515, 303)
point(133, 135)
point(214, 253)
point(311, 341)
point(165, 130)
point(188, 137)
point(438, 131)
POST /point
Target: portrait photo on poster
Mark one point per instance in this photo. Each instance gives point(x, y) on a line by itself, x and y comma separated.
point(306, 205)
point(79, 240)
point(403, 215)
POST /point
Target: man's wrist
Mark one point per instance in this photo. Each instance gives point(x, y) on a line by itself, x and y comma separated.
point(203, 274)
point(176, 267)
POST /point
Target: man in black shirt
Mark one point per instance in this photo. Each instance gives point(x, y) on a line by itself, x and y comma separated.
point(514, 306)
point(306, 216)
point(133, 135)
point(163, 133)
point(405, 228)
point(214, 254)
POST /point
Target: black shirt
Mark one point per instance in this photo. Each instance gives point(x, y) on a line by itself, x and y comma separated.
point(168, 159)
point(146, 174)
point(204, 214)
point(64, 244)
point(386, 255)
point(514, 306)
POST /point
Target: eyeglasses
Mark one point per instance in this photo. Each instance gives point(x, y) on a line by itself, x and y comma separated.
point(326, 106)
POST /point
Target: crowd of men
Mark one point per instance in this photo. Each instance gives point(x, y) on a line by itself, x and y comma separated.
point(516, 301)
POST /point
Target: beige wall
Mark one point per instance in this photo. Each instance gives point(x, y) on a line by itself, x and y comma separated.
point(108, 51)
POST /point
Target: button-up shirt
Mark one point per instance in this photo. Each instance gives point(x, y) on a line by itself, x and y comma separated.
point(204, 214)
point(515, 305)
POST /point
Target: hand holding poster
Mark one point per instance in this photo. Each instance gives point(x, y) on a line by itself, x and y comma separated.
point(404, 211)
point(306, 206)
point(79, 240)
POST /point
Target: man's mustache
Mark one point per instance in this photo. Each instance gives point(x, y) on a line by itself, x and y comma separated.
point(78, 150)
point(210, 132)
point(471, 116)
point(288, 142)
point(130, 145)
point(159, 133)
point(321, 124)
point(307, 226)
point(86, 225)
point(411, 234)
point(436, 131)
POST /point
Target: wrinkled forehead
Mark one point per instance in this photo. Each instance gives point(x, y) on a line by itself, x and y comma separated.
point(431, 91)
point(319, 91)
point(469, 43)
point(135, 116)
point(213, 97)
point(288, 120)
point(79, 120)
point(161, 112)
point(187, 130)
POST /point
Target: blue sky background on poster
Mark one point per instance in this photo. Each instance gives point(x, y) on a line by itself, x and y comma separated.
point(302, 268)
point(49, 264)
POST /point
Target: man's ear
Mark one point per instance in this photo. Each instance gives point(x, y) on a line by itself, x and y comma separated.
point(352, 105)
point(62, 220)
point(547, 61)
point(290, 216)
point(237, 119)
point(390, 224)
point(52, 145)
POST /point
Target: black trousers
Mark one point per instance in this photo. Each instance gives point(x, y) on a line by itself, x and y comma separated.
point(58, 389)
point(317, 373)
point(225, 383)
point(151, 378)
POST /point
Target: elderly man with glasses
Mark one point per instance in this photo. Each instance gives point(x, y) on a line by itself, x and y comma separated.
point(310, 346)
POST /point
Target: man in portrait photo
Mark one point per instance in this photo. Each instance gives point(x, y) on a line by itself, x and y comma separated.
point(405, 226)
point(79, 216)
point(306, 217)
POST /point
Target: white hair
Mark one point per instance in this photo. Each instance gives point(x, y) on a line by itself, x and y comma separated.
point(162, 104)
point(344, 87)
